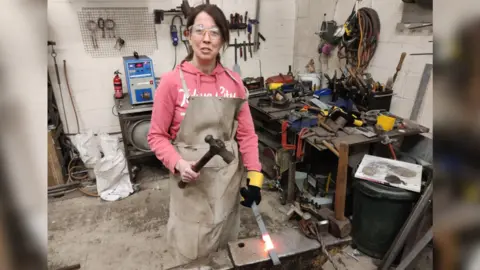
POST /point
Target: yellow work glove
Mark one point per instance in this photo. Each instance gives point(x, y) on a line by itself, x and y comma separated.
point(252, 193)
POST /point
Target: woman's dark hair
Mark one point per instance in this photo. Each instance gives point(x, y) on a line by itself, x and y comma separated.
point(220, 20)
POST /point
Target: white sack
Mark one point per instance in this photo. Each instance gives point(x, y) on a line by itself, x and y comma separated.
point(113, 180)
point(87, 146)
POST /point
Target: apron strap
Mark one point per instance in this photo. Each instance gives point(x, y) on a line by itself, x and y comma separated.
point(233, 78)
point(184, 84)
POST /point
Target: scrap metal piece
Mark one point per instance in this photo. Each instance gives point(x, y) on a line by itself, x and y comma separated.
point(422, 89)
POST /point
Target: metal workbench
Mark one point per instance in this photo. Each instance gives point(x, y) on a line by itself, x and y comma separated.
point(270, 116)
point(268, 121)
point(127, 115)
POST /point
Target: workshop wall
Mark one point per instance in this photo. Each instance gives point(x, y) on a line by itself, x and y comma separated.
point(308, 20)
point(90, 78)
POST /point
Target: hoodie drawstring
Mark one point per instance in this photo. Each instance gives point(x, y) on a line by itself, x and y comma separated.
point(197, 85)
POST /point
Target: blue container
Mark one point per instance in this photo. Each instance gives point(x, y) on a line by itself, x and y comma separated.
point(325, 95)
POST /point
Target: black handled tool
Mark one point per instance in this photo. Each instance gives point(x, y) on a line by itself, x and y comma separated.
point(245, 51)
point(217, 147)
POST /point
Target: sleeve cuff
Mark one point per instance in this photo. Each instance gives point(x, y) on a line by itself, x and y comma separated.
point(256, 178)
point(173, 162)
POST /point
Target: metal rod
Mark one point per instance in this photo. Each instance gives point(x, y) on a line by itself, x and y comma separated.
point(421, 54)
point(397, 244)
point(422, 89)
point(58, 187)
point(421, 26)
point(54, 56)
point(71, 267)
point(421, 244)
point(263, 230)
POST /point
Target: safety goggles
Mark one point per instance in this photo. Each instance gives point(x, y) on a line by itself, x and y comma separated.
point(199, 31)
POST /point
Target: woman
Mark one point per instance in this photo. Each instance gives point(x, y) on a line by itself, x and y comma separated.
point(201, 97)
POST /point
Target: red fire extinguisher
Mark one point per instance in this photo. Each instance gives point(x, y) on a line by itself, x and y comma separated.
point(117, 85)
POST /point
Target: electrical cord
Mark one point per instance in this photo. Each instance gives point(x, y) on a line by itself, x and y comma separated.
point(113, 111)
point(172, 31)
point(175, 63)
point(360, 45)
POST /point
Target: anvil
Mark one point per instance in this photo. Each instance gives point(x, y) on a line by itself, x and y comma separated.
point(295, 250)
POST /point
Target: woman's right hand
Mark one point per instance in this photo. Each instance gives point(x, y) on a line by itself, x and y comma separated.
point(185, 170)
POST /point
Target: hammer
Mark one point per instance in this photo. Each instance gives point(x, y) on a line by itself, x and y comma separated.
point(340, 226)
point(217, 147)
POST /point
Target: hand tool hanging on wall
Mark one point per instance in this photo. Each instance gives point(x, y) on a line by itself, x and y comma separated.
point(250, 46)
point(249, 30)
point(110, 26)
point(399, 66)
point(119, 44)
point(255, 32)
point(245, 19)
point(217, 147)
point(245, 50)
point(237, 21)
point(236, 67)
point(54, 56)
point(232, 21)
point(101, 25)
point(92, 27)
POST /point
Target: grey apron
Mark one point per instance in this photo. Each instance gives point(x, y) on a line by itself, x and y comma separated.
point(204, 216)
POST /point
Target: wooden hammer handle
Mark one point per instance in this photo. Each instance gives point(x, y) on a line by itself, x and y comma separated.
point(341, 183)
point(330, 147)
point(400, 63)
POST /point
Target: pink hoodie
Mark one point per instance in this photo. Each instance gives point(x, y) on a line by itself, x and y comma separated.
point(170, 105)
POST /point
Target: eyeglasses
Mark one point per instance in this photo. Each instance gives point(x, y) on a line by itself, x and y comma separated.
point(199, 31)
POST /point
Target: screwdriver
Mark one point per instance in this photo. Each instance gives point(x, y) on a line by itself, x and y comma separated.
point(240, 20)
point(246, 16)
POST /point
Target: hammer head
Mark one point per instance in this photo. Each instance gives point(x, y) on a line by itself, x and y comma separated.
point(217, 147)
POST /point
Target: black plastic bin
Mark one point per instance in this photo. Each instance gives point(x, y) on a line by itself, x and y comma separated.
point(379, 212)
point(380, 100)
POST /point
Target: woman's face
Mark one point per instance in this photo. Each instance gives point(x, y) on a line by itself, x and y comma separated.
point(205, 38)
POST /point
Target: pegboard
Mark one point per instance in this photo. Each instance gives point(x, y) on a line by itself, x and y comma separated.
point(134, 25)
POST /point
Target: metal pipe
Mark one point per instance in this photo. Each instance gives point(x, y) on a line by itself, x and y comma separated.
point(412, 220)
point(54, 56)
point(421, 244)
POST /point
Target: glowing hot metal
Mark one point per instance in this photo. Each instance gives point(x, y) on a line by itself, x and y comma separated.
point(265, 236)
point(268, 242)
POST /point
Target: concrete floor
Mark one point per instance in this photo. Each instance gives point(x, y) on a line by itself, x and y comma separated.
point(130, 234)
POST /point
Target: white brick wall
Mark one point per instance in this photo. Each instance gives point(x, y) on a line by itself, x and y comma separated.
point(91, 78)
point(309, 18)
